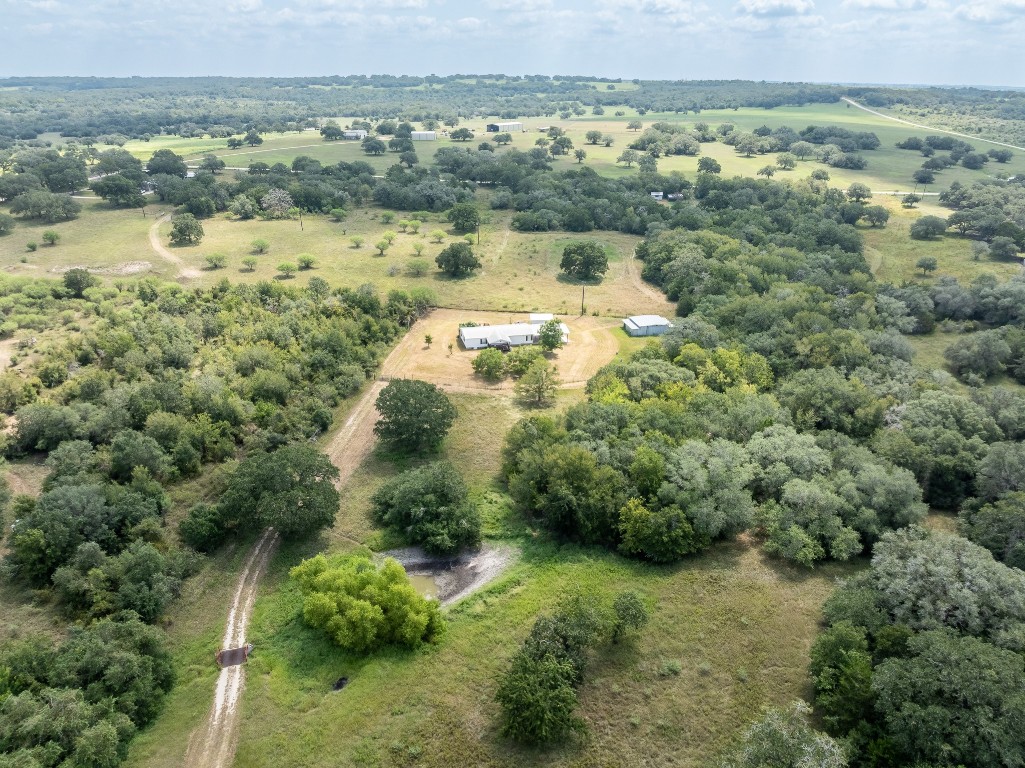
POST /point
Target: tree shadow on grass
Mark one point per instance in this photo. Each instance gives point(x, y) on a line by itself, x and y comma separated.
point(565, 279)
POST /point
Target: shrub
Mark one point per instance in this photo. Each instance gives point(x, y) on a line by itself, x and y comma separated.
point(32, 246)
point(364, 607)
point(490, 364)
point(519, 360)
point(286, 268)
point(216, 260)
point(50, 237)
point(203, 528)
point(457, 260)
point(430, 505)
point(306, 261)
point(417, 267)
point(260, 246)
point(928, 227)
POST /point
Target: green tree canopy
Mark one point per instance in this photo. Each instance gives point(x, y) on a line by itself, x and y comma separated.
point(585, 260)
point(414, 415)
point(186, 230)
point(430, 506)
point(364, 607)
point(291, 489)
point(458, 259)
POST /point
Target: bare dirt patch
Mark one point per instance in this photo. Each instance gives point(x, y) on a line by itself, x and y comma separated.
point(8, 348)
point(355, 440)
point(117, 270)
point(591, 345)
point(165, 254)
point(456, 577)
point(633, 269)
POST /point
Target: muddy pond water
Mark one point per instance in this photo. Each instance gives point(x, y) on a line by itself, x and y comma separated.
point(425, 585)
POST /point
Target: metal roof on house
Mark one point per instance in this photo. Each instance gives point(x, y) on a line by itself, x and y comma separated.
point(496, 333)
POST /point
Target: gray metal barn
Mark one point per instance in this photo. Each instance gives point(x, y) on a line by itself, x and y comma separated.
point(646, 325)
point(505, 127)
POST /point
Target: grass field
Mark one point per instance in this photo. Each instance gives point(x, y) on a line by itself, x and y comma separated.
point(889, 168)
point(730, 633)
point(892, 254)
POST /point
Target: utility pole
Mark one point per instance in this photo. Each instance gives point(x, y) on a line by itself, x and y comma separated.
point(582, 289)
point(300, 220)
point(478, 233)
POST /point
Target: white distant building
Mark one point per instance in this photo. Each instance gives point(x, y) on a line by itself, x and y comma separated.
point(513, 335)
point(541, 317)
point(656, 195)
point(646, 325)
point(424, 135)
point(354, 134)
point(505, 127)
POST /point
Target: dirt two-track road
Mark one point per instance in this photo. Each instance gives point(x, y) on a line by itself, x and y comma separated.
point(592, 345)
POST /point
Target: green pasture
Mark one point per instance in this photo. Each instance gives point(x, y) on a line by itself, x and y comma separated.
point(892, 254)
point(889, 168)
point(520, 270)
point(730, 632)
point(100, 238)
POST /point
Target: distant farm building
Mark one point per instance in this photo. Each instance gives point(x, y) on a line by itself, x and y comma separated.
point(656, 195)
point(511, 335)
point(646, 325)
point(541, 317)
point(424, 135)
point(505, 127)
point(357, 134)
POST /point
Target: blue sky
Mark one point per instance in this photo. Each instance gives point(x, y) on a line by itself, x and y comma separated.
point(880, 41)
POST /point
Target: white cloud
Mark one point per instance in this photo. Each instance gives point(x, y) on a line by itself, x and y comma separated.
point(517, 6)
point(667, 7)
point(775, 7)
point(890, 5)
point(990, 12)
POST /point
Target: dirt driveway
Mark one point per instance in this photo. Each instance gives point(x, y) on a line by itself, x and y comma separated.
point(591, 345)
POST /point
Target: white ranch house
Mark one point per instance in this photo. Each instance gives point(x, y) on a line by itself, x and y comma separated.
point(513, 334)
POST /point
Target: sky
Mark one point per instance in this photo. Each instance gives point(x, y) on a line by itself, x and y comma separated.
point(942, 42)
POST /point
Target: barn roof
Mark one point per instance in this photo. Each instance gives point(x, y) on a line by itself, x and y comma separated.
point(647, 321)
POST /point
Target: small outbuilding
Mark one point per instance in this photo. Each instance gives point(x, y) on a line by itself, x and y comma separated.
point(646, 325)
point(358, 134)
point(656, 195)
point(424, 135)
point(505, 127)
point(511, 335)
